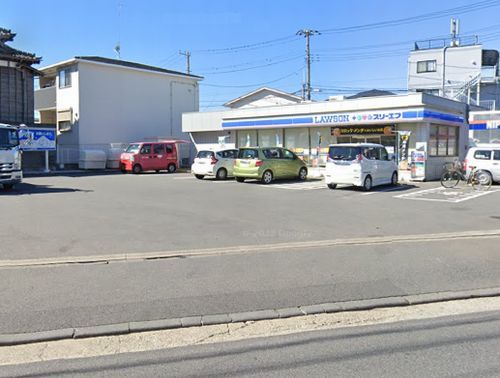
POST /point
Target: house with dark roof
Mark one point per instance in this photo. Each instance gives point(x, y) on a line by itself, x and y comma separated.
point(16, 82)
point(97, 101)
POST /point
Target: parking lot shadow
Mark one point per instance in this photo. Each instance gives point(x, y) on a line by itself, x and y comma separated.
point(29, 189)
point(381, 188)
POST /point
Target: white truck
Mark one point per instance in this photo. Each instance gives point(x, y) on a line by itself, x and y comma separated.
point(10, 157)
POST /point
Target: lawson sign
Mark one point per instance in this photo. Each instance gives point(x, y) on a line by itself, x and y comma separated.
point(348, 118)
point(37, 139)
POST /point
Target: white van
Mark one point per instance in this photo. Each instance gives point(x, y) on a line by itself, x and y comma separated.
point(360, 164)
point(484, 157)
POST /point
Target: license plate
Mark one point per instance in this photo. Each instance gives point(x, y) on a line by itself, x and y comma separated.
point(244, 162)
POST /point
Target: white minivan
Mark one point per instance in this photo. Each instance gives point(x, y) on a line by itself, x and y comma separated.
point(360, 164)
point(484, 157)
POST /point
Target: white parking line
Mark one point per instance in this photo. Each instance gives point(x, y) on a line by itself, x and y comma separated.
point(453, 196)
point(386, 190)
point(298, 186)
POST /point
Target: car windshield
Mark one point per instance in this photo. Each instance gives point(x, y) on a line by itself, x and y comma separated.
point(205, 154)
point(8, 138)
point(133, 148)
point(248, 153)
point(344, 153)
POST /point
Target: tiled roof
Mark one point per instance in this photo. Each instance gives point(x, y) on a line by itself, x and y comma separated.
point(6, 35)
point(11, 54)
point(133, 65)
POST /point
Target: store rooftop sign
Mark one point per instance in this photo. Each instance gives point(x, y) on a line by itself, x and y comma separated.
point(348, 118)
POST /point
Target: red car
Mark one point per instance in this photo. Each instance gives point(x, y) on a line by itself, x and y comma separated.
point(150, 156)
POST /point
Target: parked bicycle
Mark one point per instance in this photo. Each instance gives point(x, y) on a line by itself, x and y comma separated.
point(454, 173)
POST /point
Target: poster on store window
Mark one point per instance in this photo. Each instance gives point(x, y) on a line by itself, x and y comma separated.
point(418, 158)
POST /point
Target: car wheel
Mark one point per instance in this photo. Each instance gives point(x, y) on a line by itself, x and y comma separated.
point(267, 177)
point(240, 179)
point(368, 184)
point(303, 174)
point(171, 168)
point(221, 174)
point(199, 177)
point(332, 186)
point(137, 169)
point(394, 179)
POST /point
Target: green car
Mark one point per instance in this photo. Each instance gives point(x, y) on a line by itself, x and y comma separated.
point(267, 164)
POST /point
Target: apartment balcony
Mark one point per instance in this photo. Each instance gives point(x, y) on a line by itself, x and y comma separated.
point(45, 98)
point(489, 74)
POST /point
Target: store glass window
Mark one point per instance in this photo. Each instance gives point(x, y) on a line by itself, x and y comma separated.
point(297, 141)
point(270, 138)
point(321, 138)
point(452, 141)
point(247, 138)
point(443, 141)
point(433, 140)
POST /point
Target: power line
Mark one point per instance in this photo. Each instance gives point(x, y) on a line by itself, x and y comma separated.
point(420, 18)
point(252, 68)
point(253, 85)
point(260, 61)
point(262, 44)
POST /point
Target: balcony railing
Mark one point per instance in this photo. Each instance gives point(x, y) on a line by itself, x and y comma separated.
point(45, 98)
point(489, 74)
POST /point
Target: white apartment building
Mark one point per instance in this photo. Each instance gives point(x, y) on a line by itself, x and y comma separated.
point(459, 69)
point(97, 101)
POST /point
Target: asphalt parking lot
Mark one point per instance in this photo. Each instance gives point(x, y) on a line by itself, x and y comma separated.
point(113, 213)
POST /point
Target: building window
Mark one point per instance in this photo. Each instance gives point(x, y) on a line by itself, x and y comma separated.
point(443, 141)
point(64, 126)
point(65, 78)
point(426, 66)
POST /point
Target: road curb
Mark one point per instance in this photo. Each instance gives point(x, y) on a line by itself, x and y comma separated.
point(217, 319)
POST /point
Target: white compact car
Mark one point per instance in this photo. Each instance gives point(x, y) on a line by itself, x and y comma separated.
point(360, 164)
point(218, 164)
point(484, 157)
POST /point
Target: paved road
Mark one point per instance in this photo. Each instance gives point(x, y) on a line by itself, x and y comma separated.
point(44, 298)
point(89, 215)
point(458, 346)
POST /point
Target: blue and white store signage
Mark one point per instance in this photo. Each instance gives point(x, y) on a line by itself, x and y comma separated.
point(348, 118)
point(37, 139)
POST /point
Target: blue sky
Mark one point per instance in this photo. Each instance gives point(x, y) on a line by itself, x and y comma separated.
point(153, 32)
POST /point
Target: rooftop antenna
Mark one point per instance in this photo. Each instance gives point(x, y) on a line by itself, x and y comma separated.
point(454, 31)
point(118, 47)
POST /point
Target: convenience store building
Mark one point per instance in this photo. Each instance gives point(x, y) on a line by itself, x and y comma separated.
point(417, 124)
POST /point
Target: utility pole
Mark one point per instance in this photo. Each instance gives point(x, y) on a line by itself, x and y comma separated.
point(307, 34)
point(187, 54)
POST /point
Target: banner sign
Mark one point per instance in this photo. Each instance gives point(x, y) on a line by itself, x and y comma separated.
point(348, 118)
point(361, 130)
point(37, 139)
